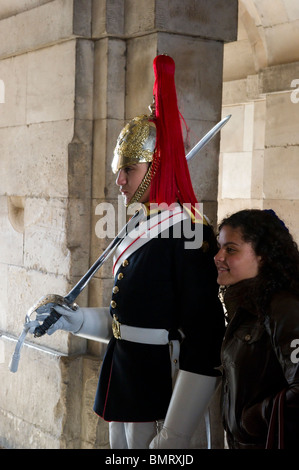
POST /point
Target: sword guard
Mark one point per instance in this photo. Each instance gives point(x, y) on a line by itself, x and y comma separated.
point(46, 304)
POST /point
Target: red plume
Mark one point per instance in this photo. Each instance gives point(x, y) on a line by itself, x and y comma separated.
point(171, 181)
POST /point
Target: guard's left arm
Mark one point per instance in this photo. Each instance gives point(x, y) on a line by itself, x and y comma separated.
point(201, 315)
point(201, 319)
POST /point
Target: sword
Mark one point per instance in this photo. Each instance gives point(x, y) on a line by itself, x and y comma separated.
point(206, 139)
point(46, 303)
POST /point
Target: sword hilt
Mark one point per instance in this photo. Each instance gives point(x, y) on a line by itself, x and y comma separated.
point(49, 321)
point(46, 305)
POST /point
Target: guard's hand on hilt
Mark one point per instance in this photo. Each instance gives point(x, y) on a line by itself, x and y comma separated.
point(48, 320)
point(90, 323)
point(52, 314)
point(59, 318)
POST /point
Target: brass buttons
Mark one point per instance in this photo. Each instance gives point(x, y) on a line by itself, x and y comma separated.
point(125, 263)
point(247, 337)
point(113, 304)
point(120, 276)
point(115, 290)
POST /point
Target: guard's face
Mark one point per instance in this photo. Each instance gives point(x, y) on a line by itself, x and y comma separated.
point(129, 178)
point(236, 259)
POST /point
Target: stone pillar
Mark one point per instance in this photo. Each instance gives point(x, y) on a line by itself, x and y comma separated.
point(259, 167)
point(72, 73)
point(280, 85)
point(46, 123)
point(242, 147)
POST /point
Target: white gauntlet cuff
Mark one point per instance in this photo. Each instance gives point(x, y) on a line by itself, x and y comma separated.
point(96, 324)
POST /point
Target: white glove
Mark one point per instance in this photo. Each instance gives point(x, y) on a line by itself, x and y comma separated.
point(90, 323)
point(168, 439)
point(96, 325)
point(190, 398)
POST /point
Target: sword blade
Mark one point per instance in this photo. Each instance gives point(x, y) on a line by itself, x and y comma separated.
point(81, 284)
point(78, 288)
point(206, 139)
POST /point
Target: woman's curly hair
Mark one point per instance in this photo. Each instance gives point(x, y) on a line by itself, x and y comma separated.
point(271, 240)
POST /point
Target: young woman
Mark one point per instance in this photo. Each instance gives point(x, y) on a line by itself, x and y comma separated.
point(258, 269)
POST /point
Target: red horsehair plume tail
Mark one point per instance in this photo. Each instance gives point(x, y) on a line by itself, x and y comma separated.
point(171, 181)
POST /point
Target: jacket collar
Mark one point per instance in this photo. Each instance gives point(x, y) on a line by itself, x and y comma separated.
point(240, 295)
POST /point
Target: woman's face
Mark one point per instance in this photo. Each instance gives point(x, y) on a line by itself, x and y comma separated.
point(236, 259)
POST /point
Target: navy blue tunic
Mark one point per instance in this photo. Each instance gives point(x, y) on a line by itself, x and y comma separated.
point(163, 285)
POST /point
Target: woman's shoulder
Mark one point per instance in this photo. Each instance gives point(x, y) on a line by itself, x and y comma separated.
point(284, 305)
point(282, 322)
point(284, 297)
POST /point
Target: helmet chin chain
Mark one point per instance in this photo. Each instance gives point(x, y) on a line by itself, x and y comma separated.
point(147, 179)
point(142, 187)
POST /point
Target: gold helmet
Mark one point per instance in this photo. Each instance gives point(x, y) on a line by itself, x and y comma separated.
point(159, 143)
point(135, 144)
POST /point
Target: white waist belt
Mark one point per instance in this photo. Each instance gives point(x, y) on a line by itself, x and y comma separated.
point(143, 335)
point(139, 335)
point(152, 336)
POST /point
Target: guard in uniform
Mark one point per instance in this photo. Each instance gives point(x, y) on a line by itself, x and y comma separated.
point(167, 321)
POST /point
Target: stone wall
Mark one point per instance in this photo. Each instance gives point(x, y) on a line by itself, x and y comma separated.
point(46, 125)
point(259, 147)
point(71, 73)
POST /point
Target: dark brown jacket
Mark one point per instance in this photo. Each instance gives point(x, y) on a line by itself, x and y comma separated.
point(258, 362)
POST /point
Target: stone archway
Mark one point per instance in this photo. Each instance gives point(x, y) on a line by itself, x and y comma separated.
point(259, 165)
